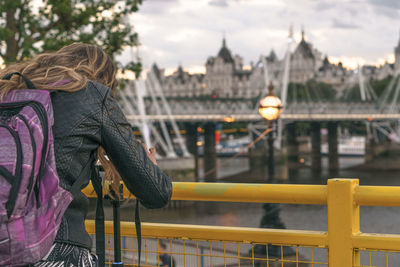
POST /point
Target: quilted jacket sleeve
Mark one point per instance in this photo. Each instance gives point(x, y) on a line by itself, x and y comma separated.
point(144, 179)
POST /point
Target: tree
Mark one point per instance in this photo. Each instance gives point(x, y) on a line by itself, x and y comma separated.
point(353, 93)
point(379, 86)
point(28, 27)
point(311, 91)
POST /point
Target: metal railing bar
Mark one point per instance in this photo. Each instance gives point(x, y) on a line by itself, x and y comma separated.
point(235, 192)
point(220, 233)
point(378, 242)
point(273, 193)
point(377, 196)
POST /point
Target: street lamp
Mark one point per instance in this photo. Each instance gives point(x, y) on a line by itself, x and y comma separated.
point(270, 108)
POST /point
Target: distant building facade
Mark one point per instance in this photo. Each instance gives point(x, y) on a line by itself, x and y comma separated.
point(226, 76)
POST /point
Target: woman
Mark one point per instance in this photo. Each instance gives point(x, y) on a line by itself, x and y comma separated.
point(87, 119)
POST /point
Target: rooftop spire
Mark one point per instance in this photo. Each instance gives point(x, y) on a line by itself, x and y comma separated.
point(302, 33)
point(225, 53)
point(290, 36)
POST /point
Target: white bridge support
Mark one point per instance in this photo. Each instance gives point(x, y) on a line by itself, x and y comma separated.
point(139, 85)
point(170, 149)
point(394, 103)
point(158, 90)
point(285, 84)
point(138, 117)
point(361, 83)
point(388, 99)
point(141, 121)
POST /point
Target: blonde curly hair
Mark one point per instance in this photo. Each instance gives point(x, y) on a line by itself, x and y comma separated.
point(75, 65)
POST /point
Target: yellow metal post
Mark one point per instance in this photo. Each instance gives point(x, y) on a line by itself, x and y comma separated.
point(343, 222)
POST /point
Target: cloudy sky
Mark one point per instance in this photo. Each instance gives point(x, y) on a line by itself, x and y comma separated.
point(186, 32)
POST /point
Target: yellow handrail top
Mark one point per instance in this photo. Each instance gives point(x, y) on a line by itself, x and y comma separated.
point(235, 192)
point(272, 193)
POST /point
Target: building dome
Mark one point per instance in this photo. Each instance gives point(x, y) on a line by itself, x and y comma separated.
point(224, 53)
point(304, 48)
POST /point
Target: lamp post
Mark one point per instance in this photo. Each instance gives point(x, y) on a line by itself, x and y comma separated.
point(270, 108)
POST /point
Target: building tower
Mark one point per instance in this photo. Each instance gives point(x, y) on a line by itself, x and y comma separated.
point(219, 72)
point(302, 62)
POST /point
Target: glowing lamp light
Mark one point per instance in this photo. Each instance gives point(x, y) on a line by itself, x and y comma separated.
point(229, 119)
point(270, 106)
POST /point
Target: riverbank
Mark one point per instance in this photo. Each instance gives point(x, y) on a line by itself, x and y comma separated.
point(389, 161)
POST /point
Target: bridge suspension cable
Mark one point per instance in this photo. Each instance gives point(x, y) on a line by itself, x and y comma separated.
point(139, 86)
point(389, 98)
point(142, 122)
point(366, 91)
point(150, 88)
point(285, 84)
point(157, 86)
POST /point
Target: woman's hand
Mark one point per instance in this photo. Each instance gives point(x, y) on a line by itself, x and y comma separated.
point(151, 153)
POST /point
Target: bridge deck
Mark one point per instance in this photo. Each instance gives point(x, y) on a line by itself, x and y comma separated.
point(287, 117)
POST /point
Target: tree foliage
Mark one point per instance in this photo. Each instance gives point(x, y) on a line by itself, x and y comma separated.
point(353, 93)
point(311, 91)
point(28, 27)
point(379, 86)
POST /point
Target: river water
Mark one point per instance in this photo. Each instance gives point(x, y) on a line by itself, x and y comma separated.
point(302, 217)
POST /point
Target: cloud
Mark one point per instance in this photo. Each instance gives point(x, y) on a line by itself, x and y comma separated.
point(159, 7)
point(323, 5)
point(389, 8)
point(386, 3)
point(336, 23)
point(189, 31)
point(221, 3)
point(161, 1)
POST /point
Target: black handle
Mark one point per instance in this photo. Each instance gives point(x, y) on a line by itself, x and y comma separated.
point(26, 80)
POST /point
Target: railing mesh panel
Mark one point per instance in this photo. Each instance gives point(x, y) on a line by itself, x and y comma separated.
point(205, 253)
point(385, 258)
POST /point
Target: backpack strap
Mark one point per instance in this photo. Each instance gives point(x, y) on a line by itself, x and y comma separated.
point(26, 80)
point(99, 220)
point(138, 230)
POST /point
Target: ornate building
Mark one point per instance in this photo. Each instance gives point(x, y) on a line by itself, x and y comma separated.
point(304, 62)
point(226, 76)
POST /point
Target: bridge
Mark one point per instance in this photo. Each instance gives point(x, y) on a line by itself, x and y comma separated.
point(285, 117)
point(153, 113)
point(159, 107)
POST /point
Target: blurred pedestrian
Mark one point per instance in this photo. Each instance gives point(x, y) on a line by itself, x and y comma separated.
point(166, 260)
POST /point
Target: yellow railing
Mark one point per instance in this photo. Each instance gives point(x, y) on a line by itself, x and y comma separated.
point(343, 242)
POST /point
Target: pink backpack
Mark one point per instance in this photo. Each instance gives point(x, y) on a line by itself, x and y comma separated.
point(31, 201)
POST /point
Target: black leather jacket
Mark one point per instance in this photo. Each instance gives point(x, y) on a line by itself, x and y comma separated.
point(83, 121)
